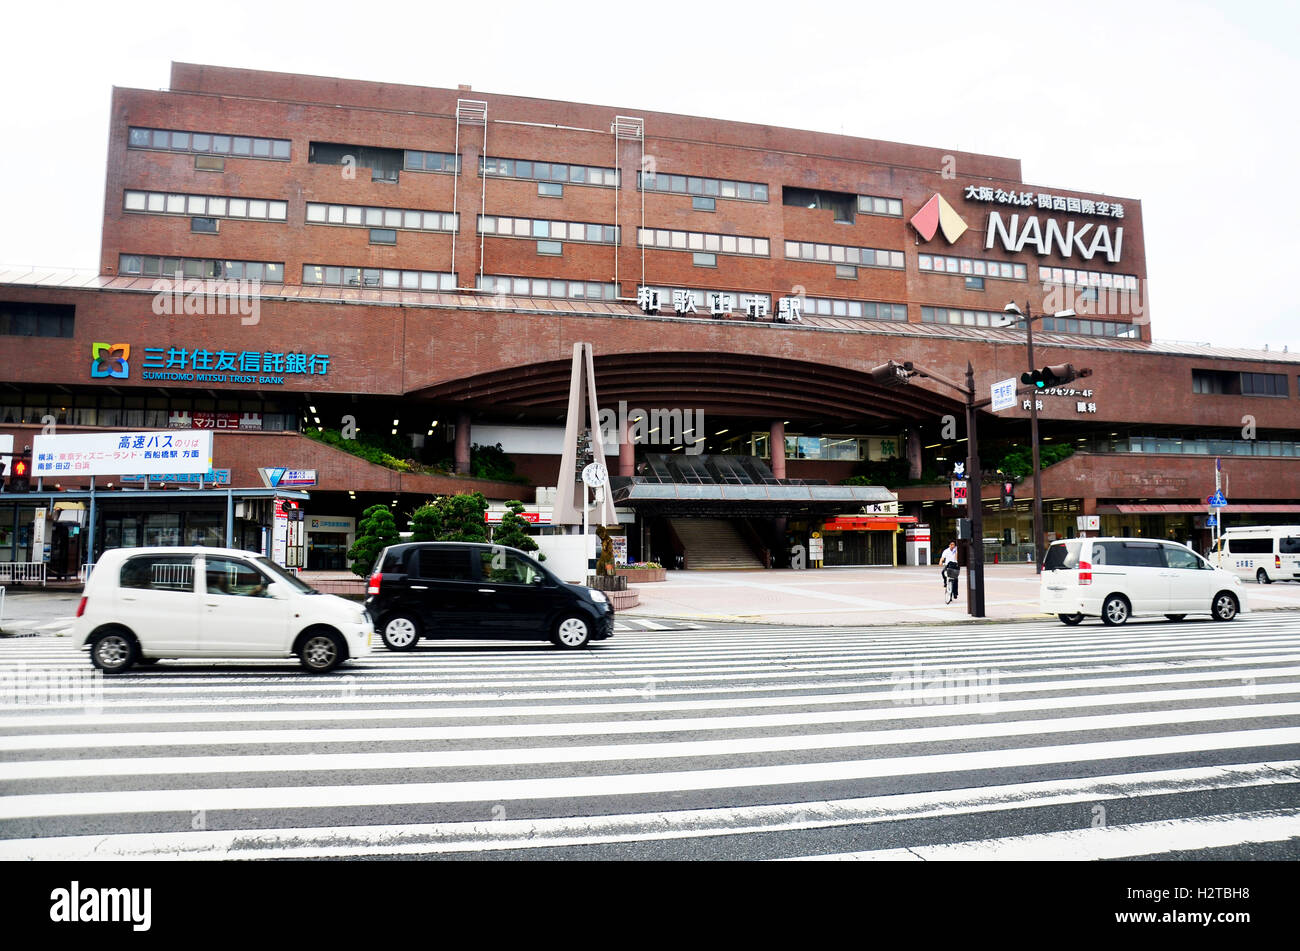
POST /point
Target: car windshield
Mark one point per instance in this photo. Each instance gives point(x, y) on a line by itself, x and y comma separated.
point(288, 577)
point(1062, 555)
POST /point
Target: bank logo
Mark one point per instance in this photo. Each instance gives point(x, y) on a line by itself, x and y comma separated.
point(937, 215)
point(110, 360)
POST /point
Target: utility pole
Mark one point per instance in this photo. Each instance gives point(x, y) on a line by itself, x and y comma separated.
point(975, 505)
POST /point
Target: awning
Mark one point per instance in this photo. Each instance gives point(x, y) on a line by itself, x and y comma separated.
point(867, 523)
point(1145, 508)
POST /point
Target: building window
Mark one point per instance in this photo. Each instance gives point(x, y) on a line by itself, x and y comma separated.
point(841, 254)
point(1264, 384)
point(873, 205)
point(1073, 276)
point(147, 265)
point(207, 206)
point(383, 236)
point(209, 163)
point(360, 216)
point(203, 225)
point(207, 142)
point(841, 204)
point(704, 259)
point(384, 164)
point(862, 309)
point(21, 319)
point(704, 204)
point(710, 187)
point(547, 171)
point(545, 287)
point(550, 247)
point(1001, 270)
point(431, 161)
point(550, 189)
point(846, 271)
point(582, 231)
point(387, 278)
point(697, 241)
point(974, 283)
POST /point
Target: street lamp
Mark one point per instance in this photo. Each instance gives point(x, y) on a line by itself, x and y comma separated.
point(1013, 311)
point(894, 373)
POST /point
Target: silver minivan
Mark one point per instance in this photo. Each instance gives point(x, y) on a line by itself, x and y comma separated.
point(1118, 578)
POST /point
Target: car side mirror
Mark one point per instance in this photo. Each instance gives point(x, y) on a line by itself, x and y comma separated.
point(276, 589)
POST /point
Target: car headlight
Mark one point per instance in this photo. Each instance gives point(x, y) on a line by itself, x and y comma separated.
point(597, 595)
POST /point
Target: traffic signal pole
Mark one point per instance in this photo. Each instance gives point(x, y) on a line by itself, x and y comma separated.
point(975, 567)
point(1033, 437)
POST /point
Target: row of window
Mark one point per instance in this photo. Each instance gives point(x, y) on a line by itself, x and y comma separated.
point(20, 319)
point(841, 254)
point(1071, 325)
point(1065, 275)
point(548, 171)
point(208, 206)
point(207, 142)
point(139, 412)
point(868, 310)
point(542, 287)
point(361, 216)
point(1183, 445)
point(694, 185)
point(943, 264)
point(431, 161)
point(152, 265)
point(553, 230)
point(387, 278)
point(1233, 383)
point(698, 241)
point(875, 205)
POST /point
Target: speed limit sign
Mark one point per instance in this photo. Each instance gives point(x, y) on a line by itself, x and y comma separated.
point(959, 492)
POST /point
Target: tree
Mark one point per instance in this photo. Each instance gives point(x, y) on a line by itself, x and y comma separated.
point(513, 532)
point(451, 518)
point(376, 532)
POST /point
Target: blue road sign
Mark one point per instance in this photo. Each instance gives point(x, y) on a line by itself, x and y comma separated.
point(1217, 500)
point(1212, 521)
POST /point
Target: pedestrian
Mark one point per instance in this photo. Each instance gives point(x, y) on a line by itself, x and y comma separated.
point(949, 570)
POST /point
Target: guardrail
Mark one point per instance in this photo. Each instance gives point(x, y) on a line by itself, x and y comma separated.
point(17, 572)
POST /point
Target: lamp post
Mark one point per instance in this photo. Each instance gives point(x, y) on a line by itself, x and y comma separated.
point(900, 374)
point(1028, 318)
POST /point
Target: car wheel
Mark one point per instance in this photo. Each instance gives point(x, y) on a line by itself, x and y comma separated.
point(1175, 617)
point(1115, 609)
point(114, 651)
point(1225, 606)
point(321, 652)
point(571, 633)
point(1071, 619)
point(400, 633)
point(1262, 577)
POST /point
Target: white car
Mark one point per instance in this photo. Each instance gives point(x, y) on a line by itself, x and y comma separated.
point(1118, 578)
point(143, 604)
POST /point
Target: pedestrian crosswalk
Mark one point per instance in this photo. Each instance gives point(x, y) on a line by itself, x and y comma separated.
point(1024, 740)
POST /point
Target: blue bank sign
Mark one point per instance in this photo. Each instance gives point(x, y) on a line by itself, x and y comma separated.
point(183, 365)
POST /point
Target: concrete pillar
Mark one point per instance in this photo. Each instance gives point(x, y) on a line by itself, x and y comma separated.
point(776, 443)
point(462, 443)
point(913, 454)
point(626, 454)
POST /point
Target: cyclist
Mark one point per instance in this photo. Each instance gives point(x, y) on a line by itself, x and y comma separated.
point(949, 569)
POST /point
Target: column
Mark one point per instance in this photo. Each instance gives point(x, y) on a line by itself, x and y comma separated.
point(913, 454)
point(776, 443)
point(626, 451)
point(462, 443)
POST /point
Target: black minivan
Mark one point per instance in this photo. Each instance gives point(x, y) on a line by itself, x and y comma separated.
point(467, 590)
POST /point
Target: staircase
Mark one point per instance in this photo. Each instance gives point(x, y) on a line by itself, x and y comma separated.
point(713, 543)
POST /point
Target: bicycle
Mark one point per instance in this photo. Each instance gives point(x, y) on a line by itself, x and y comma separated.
point(950, 573)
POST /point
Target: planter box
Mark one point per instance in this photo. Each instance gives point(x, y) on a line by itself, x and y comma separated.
point(622, 600)
point(607, 582)
point(644, 575)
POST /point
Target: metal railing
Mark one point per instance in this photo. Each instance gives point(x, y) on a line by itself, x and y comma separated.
point(16, 572)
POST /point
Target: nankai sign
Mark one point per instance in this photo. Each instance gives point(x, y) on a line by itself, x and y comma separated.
point(1088, 239)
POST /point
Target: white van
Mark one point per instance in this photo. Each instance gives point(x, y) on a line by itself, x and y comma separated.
point(143, 604)
point(1264, 553)
point(1118, 578)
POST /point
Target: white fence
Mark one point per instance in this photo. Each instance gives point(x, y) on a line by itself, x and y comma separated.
point(15, 572)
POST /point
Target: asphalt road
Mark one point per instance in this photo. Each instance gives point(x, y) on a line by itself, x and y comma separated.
point(1016, 740)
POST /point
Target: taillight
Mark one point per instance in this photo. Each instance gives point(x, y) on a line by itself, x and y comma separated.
point(81, 608)
point(1085, 572)
point(373, 586)
point(1277, 561)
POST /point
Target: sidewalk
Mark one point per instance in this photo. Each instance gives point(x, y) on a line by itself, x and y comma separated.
point(857, 596)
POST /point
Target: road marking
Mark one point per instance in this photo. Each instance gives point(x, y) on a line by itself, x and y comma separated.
point(451, 837)
point(134, 802)
point(1109, 842)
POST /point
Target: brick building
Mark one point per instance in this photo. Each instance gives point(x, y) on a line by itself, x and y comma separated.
point(423, 260)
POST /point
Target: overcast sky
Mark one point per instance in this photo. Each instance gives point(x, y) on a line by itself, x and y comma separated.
point(1188, 106)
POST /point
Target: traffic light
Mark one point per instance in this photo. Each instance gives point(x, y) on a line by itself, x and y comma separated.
point(1008, 495)
point(20, 472)
point(1058, 374)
